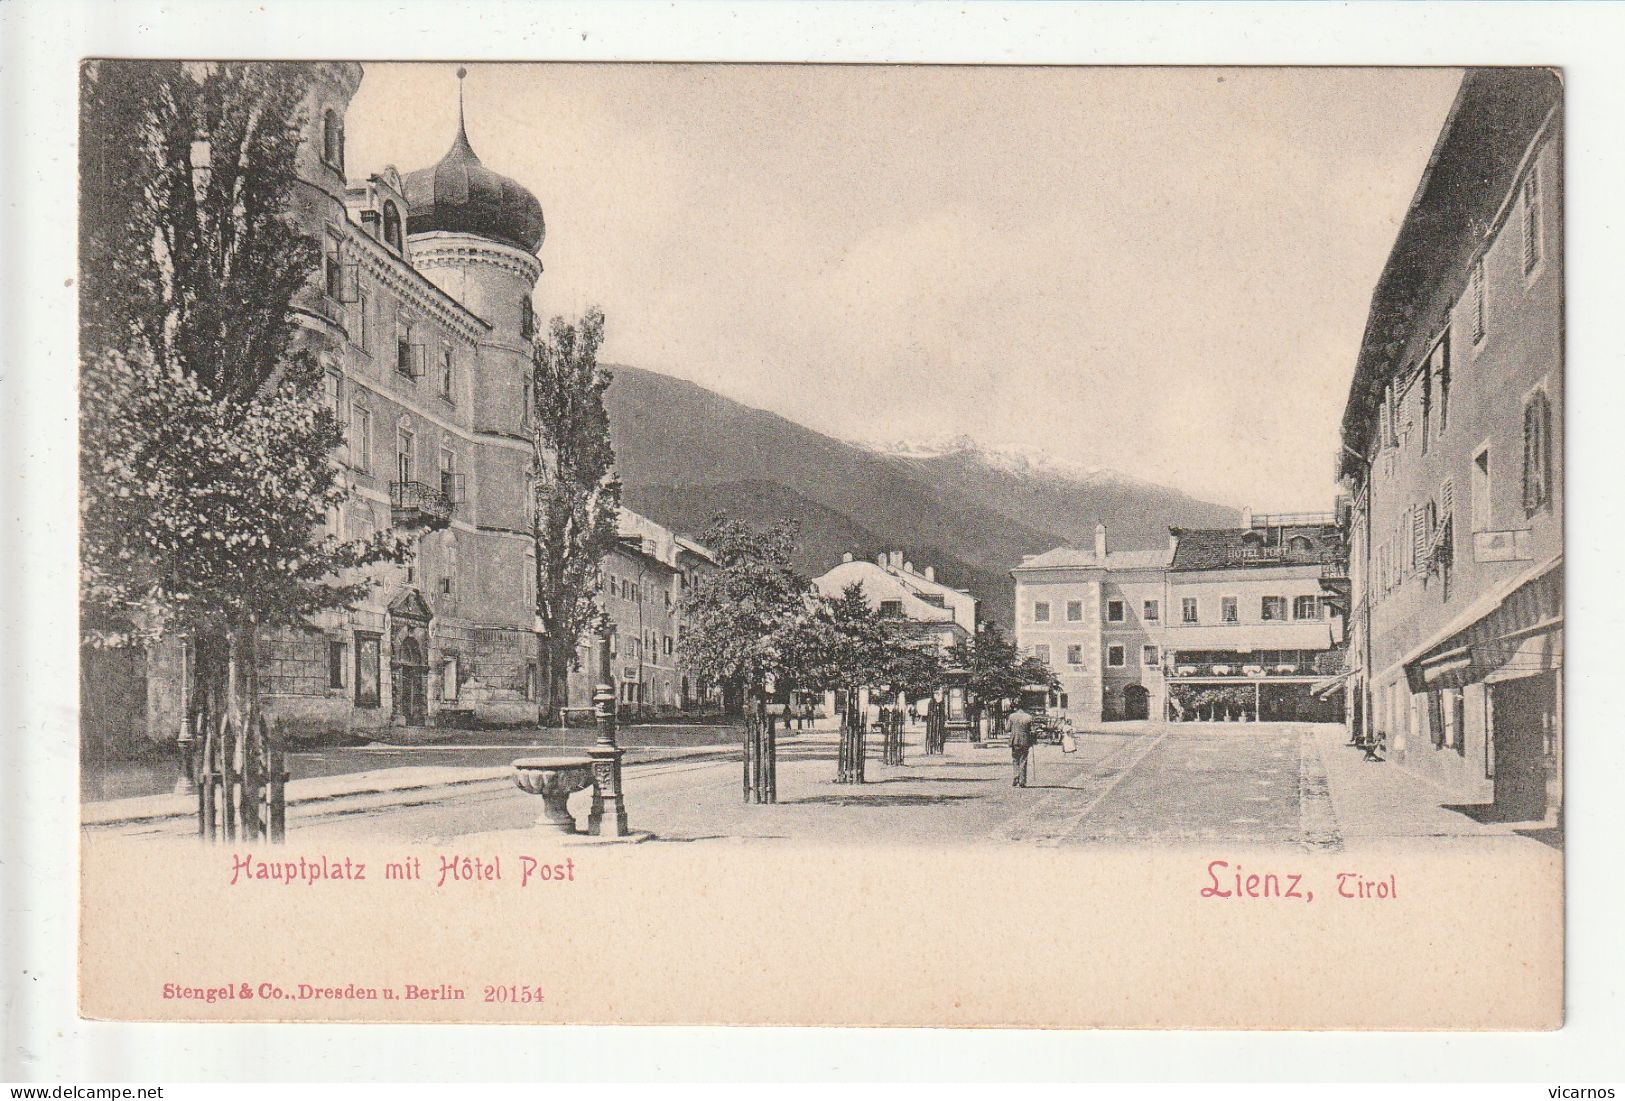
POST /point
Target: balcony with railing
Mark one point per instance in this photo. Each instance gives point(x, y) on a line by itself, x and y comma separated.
point(416, 504)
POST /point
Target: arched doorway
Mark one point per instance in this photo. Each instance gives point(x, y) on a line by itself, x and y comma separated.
point(1136, 702)
point(411, 682)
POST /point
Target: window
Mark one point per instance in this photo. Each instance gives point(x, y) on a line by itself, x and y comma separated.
point(1227, 610)
point(1148, 656)
point(1041, 652)
point(527, 318)
point(530, 680)
point(332, 269)
point(333, 140)
point(1306, 607)
point(1439, 361)
point(445, 585)
point(1074, 611)
point(1537, 453)
point(447, 373)
point(668, 646)
point(893, 608)
point(1151, 611)
point(338, 655)
point(405, 443)
point(1475, 291)
point(1531, 220)
point(1273, 608)
point(1481, 489)
point(1114, 656)
point(392, 225)
point(1427, 403)
point(1041, 611)
point(1114, 611)
point(448, 680)
point(360, 437)
point(448, 476)
point(333, 393)
point(363, 321)
point(1300, 544)
point(1074, 655)
point(1187, 609)
point(366, 670)
point(408, 356)
point(525, 401)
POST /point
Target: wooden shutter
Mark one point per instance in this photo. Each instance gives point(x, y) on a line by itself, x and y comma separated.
point(1531, 220)
point(1419, 536)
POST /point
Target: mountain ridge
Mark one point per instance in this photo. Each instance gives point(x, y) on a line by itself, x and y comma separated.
point(685, 453)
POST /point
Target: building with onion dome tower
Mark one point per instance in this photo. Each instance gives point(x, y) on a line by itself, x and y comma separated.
point(421, 314)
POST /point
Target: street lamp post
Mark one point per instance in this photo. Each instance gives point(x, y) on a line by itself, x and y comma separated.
point(608, 816)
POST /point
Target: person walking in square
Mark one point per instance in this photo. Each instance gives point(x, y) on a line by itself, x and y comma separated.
point(1021, 743)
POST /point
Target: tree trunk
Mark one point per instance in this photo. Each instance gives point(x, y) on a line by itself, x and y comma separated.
point(556, 665)
point(759, 764)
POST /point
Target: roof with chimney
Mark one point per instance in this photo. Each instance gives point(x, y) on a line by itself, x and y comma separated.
point(1155, 558)
point(1263, 544)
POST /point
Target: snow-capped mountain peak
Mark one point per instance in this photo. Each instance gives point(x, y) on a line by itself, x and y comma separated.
point(1018, 459)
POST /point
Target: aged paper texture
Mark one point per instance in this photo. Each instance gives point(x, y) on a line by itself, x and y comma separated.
point(822, 545)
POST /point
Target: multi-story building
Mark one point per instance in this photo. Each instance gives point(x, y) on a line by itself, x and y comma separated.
point(935, 611)
point(1250, 629)
point(1096, 620)
point(1232, 613)
point(422, 316)
point(1452, 444)
point(644, 580)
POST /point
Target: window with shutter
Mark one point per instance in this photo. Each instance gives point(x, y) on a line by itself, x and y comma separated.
point(1531, 220)
point(1477, 306)
point(1419, 537)
point(1441, 373)
point(1537, 460)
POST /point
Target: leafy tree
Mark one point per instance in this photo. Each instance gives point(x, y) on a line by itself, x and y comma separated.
point(746, 628)
point(206, 468)
point(577, 495)
point(996, 670)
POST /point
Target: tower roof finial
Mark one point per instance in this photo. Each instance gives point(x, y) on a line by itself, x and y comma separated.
point(462, 129)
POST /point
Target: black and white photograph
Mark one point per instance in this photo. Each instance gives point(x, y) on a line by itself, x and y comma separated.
point(1029, 532)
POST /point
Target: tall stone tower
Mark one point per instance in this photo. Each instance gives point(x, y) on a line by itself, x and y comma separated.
point(475, 234)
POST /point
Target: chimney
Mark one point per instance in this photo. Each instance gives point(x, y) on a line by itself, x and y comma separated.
point(1173, 543)
point(1247, 517)
point(1100, 542)
point(883, 559)
point(930, 573)
point(847, 557)
point(908, 567)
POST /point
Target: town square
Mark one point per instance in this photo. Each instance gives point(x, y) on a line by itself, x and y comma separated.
point(378, 541)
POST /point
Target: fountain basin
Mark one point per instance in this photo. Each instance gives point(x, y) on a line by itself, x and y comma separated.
point(555, 779)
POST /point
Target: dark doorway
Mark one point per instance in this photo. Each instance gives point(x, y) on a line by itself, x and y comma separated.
point(1523, 715)
point(1136, 702)
point(411, 682)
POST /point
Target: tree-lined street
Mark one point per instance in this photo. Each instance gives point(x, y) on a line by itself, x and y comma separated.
point(1143, 783)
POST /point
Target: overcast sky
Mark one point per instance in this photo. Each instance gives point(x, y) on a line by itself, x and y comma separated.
point(1160, 271)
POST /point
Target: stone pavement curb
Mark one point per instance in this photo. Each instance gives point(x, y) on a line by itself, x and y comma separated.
point(404, 780)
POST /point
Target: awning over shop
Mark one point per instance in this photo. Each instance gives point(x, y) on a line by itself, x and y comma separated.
point(1520, 636)
point(1323, 688)
point(1246, 638)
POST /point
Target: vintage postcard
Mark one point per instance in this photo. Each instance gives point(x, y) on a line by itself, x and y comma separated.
point(729, 544)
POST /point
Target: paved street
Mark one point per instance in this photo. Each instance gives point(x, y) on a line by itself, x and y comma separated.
point(121, 779)
point(1136, 783)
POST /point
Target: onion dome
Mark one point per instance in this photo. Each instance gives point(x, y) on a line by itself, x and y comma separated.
point(461, 195)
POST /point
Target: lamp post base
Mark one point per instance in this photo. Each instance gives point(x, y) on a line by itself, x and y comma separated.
point(608, 815)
